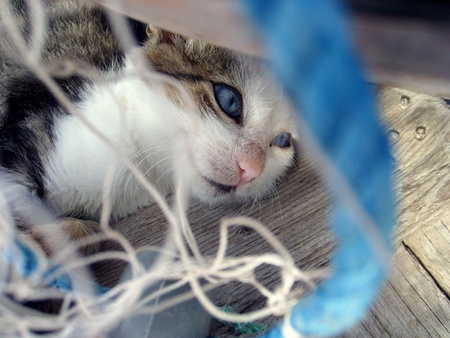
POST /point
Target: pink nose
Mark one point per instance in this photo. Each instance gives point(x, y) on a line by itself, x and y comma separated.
point(249, 169)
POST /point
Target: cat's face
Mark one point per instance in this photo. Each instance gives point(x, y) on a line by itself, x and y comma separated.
point(244, 139)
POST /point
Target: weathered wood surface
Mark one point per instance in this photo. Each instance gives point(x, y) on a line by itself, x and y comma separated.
point(411, 305)
point(419, 128)
point(415, 301)
point(430, 245)
point(404, 44)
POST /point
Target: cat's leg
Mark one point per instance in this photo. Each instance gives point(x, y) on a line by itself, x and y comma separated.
point(67, 231)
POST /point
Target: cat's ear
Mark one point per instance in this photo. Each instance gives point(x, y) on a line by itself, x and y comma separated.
point(158, 35)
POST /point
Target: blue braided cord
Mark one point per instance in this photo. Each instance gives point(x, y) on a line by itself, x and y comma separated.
point(309, 43)
point(26, 262)
point(62, 282)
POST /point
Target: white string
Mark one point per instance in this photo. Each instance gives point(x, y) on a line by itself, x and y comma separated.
point(288, 330)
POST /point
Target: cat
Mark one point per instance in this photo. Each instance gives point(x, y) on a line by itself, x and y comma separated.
point(237, 139)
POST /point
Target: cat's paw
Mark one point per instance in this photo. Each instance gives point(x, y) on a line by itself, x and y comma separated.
point(68, 230)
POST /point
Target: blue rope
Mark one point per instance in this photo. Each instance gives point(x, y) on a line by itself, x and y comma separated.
point(309, 43)
point(26, 263)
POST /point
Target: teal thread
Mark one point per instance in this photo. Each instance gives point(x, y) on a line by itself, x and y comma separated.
point(243, 328)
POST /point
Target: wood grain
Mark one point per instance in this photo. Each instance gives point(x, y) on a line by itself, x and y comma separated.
point(430, 245)
point(418, 126)
point(411, 304)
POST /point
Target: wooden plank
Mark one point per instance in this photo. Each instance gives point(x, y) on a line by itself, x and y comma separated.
point(420, 294)
point(405, 52)
point(418, 128)
point(410, 51)
point(405, 42)
point(411, 304)
point(431, 9)
point(215, 21)
point(431, 246)
point(369, 328)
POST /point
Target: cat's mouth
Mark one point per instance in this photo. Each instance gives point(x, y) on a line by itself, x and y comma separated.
point(221, 188)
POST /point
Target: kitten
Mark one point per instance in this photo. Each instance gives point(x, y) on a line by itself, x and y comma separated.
point(236, 140)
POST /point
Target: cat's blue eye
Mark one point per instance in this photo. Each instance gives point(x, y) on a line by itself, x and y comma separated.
point(229, 100)
point(282, 140)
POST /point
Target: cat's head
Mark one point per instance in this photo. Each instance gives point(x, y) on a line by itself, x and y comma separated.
point(245, 137)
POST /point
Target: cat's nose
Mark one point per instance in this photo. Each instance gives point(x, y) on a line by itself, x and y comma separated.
point(249, 169)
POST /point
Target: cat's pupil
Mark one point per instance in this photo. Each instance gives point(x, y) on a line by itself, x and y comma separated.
point(229, 100)
point(282, 140)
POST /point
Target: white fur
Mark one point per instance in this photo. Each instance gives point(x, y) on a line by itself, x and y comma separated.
point(138, 117)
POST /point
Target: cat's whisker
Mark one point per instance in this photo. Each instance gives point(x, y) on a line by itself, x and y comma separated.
point(244, 209)
point(164, 173)
point(276, 199)
point(149, 169)
point(134, 157)
point(153, 153)
point(259, 198)
point(253, 201)
point(130, 175)
point(123, 169)
point(280, 209)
